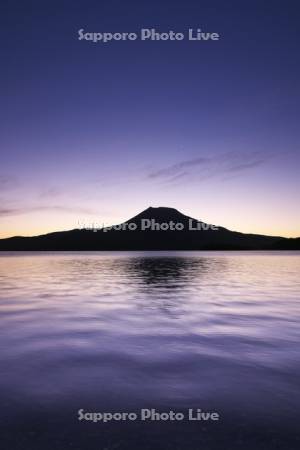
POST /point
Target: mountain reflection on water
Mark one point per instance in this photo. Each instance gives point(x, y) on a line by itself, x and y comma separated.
point(167, 330)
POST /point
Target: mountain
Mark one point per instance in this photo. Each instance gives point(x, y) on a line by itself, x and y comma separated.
point(153, 229)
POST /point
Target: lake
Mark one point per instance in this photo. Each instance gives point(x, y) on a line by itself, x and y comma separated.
point(121, 332)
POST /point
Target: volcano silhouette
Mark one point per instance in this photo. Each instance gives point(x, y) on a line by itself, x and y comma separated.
point(138, 234)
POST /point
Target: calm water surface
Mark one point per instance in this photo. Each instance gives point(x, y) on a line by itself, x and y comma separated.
point(124, 331)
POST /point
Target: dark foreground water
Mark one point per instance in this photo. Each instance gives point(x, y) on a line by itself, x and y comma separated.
point(109, 332)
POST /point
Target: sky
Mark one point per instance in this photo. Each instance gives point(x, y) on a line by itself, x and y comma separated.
point(97, 132)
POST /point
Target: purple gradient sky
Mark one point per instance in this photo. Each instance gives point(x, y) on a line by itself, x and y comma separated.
point(98, 132)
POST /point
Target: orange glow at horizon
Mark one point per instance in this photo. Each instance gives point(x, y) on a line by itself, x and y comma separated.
point(37, 223)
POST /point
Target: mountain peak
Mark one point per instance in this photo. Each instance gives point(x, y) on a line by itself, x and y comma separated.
point(160, 213)
point(161, 209)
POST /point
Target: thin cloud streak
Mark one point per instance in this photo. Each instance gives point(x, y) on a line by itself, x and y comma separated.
point(175, 168)
point(7, 182)
point(205, 168)
point(250, 165)
point(6, 212)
